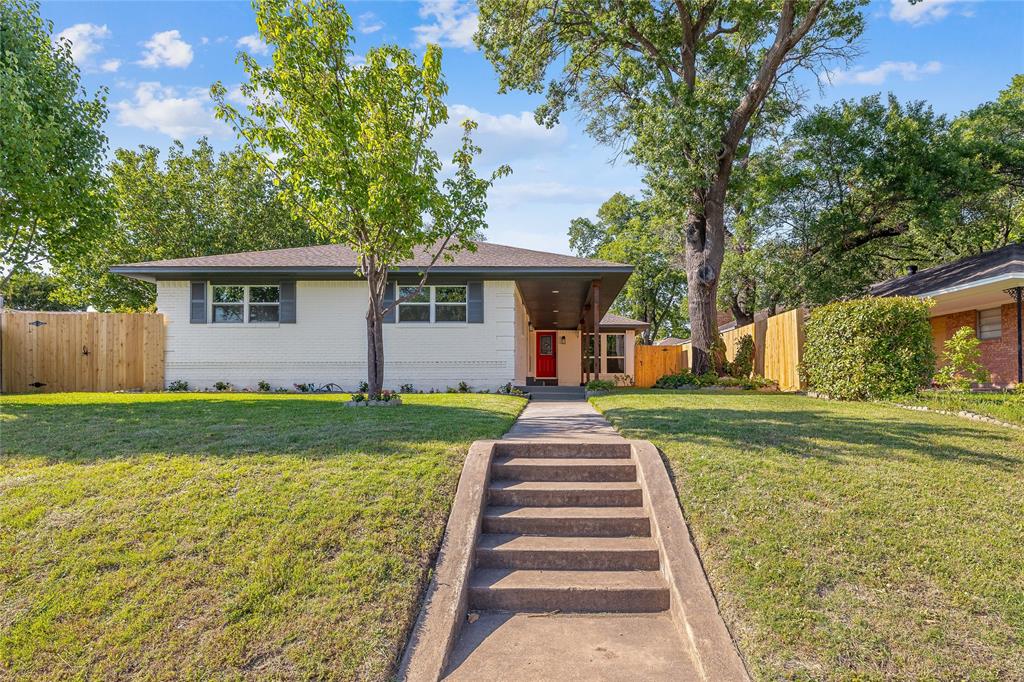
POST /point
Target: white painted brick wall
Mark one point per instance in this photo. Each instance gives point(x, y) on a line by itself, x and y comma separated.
point(328, 343)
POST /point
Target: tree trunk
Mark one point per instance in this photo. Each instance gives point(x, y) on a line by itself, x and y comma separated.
point(705, 249)
point(375, 333)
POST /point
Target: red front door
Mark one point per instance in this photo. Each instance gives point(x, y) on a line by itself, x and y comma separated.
point(546, 355)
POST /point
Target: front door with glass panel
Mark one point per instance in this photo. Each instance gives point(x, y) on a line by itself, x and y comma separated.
point(546, 355)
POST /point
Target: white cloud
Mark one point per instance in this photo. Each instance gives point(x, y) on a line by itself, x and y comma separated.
point(111, 65)
point(368, 22)
point(166, 48)
point(253, 43)
point(161, 108)
point(452, 24)
point(506, 194)
point(908, 71)
point(86, 42)
point(923, 12)
point(502, 136)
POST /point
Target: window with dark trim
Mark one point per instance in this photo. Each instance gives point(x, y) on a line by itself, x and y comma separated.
point(435, 303)
point(245, 303)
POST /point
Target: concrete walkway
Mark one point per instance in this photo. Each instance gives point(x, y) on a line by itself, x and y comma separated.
point(562, 421)
point(517, 646)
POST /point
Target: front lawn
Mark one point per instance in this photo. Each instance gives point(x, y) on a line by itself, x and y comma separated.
point(214, 536)
point(849, 540)
point(1007, 407)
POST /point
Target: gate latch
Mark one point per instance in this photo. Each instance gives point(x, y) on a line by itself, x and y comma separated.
point(37, 323)
point(37, 384)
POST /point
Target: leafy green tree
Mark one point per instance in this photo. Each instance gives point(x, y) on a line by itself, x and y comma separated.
point(52, 199)
point(685, 86)
point(961, 362)
point(350, 145)
point(628, 231)
point(32, 291)
point(196, 203)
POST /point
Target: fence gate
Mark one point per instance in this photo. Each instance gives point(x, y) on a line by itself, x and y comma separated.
point(654, 362)
point(52, 352)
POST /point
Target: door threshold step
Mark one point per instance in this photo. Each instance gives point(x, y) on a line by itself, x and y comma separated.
point(568, 521)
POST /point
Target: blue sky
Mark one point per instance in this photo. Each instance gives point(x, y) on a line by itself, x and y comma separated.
point(158, 59)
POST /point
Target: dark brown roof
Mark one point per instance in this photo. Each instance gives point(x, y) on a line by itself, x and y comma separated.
point(1008, 260)
point(671, 341)
point(612, 321)
point(487, 255)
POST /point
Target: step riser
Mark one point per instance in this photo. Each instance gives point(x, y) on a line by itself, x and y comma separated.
point(566, 498)
point(570, 601)
point(576, 473)
point(568, 560)
point(578, 450)
point(604, 528)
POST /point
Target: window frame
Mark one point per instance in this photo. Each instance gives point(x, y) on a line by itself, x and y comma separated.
point(588, 352)
point(608, 356)
point(246, 304)
point(431, 303)
point(999, 321)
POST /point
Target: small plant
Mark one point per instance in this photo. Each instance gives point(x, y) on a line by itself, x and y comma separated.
point(384, 396)
point(961, 360)
point(623, 380)
point(358, 397)
point(263, 386)
point(281, 389)
point(464, 387)
point(406, 388)
point(600, 385)
point(222, 385)
point(677, 380)
point(509, 389)
point(363, 387)
point(302, 388)
point(743, 364)
point(178, 386)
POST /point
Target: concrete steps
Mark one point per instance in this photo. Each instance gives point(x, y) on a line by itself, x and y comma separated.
point(565, 530)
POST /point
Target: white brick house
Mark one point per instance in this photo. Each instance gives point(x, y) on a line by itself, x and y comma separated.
point(489, 317)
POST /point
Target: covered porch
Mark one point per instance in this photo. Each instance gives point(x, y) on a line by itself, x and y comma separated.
point(556, 320)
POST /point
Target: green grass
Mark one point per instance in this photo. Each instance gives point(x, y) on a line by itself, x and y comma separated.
point(1008, 407)
point(225, 536)
point(849, 541)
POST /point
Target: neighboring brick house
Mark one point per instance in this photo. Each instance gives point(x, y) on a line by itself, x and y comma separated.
point(488, 317)
point(981, 292)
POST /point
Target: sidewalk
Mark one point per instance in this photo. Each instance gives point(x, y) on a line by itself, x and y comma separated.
point(562, 421)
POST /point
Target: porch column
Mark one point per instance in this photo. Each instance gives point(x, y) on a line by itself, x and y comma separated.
point(584, 375)
point(596, 302)
point(1017, 294)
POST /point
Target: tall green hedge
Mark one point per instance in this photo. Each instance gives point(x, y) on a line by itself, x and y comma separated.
point(869, 348)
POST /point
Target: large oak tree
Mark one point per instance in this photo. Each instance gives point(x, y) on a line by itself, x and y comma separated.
point(683, 85)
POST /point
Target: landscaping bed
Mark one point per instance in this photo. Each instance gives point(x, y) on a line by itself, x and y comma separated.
point(213, 536)
point(1007, 407)
point(848, 540)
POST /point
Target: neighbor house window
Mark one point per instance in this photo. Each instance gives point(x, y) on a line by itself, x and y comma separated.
point(237, 304)
point(615, 353)
point(990, 323)
point(433, 304)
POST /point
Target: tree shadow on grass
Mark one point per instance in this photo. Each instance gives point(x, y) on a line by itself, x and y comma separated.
point(306, 427)
point(823, 434)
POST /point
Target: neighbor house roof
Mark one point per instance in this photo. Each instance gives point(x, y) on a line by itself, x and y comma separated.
point(336, 258)
point(611, 321)
point(985, 268)
point(671, 341)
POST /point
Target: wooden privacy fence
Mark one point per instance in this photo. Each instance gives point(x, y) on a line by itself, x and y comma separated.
point(778, 349)
point(52, 352)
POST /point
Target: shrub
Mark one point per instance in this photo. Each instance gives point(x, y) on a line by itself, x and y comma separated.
point(406, 388)
point(303, 388)
point(281, 389)
point(263, 386)
point(600, 385)
point(222, 385)
point(363, 387)
point(686, 378)
point(961, 359)
point(463, 387)
point(743, 364)
point(509, 389)
point(358, 397)
point(178, 386)
point(869, 348)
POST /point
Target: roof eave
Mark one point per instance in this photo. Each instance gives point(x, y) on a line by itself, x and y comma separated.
point(152, 273)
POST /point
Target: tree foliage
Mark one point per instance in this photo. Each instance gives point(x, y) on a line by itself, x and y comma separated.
point(686, 88)
point(32, 291)
point(195, 203)
point(627, 230)
point(349, 144)
point(52, 199)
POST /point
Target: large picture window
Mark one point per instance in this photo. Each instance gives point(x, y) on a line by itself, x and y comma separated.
point(238, 304)
point(613, 360)
point(433, 304)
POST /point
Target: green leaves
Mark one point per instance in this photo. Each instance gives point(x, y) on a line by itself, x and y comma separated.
point(52, 189)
